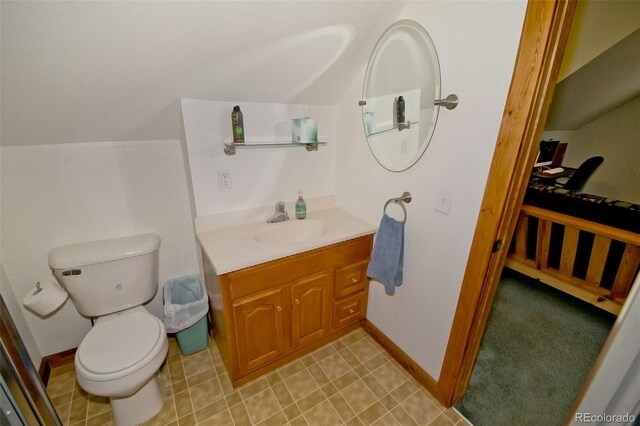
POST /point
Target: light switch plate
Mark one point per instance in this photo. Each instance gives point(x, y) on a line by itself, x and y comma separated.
point(443, 201)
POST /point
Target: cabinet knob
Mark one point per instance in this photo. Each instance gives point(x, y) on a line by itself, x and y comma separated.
point(354, 280)
point(279, 308)
point(297, 301)
point(351, 311)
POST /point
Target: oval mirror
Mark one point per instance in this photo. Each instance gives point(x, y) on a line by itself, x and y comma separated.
point(400, 86)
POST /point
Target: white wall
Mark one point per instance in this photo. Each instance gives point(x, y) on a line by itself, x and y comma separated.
point(261, 176)
point(61, 194)
point(476, 44)
point(614, 136)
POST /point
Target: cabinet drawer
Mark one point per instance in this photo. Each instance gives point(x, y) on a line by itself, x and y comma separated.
point(351, 279)
point(349, 310)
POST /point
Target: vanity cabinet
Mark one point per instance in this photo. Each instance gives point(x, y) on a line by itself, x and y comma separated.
point(267, 315)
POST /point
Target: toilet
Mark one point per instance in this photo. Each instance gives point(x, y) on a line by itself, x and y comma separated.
point(119, 358)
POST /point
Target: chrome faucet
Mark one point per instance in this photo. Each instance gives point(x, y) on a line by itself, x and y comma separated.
point(280, 214)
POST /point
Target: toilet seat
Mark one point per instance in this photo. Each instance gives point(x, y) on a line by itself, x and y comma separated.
point(119, 345)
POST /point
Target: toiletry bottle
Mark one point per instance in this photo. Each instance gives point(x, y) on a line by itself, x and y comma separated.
point(301, 207)
point(237, 125)
point(400, 110)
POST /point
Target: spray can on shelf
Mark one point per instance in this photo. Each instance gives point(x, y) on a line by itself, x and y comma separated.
point(400, 110)
point(237, 125)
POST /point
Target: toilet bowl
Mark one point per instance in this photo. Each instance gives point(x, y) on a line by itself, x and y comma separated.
point(119, 359)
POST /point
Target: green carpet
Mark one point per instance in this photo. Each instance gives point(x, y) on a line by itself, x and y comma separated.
point(538, 348)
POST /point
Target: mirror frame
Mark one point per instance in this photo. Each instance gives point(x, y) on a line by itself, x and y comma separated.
point(431, 58)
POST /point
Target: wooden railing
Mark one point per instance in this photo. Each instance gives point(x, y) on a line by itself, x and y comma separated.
point(594, 262)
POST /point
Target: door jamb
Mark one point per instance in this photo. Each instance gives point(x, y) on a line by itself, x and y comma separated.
point(544, 36)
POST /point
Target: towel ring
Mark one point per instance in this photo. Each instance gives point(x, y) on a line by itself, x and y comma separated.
point(404, 198)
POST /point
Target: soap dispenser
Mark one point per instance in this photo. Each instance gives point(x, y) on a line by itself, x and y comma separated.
point(301, 207)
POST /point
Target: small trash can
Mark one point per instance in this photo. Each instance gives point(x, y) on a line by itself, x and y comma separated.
point(185, 312)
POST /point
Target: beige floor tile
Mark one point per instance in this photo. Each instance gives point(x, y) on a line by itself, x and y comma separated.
point(273, 378)
point(291, 369)
point(324, 352)
point(61, 400)
point(342, 407)
point(375, 386)
point(278, 419)
point(329, 390)
point(346, 380)
point(387, 420)
point(252, 388)
point(372, 413)
point(322, 414)
point(311, 400)
point(61, 384)
point(62, 370)
point(220, 419)
point(375, 362)
point(205, 393)
point(442, 420)
point(348, 356)
point(282, 394)
point(261, 406)
point(63, 412)
point(354, 422)
point(403, 391)
point(358, 396)
point(363, 350)
point(301, 384)
point(292, 411)
point(210, 410)
point(197, 363)
point(183, 404)
point(388, 401)
point(103, 419)
point(201, 377)
point(176, 372)
point(234, 399)
point(98, 405)
point(78, 410)
point(334, 366)
point(420, 408)
point(403, 417)
point(318, 374)
point(240, 415)
point(389, 376)
point(453, 415)
point(352, 337)
point(298, 421)
point(188, 420)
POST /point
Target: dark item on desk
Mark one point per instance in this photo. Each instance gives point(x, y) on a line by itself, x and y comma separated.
point(558, 157)
point(546, 153)
point(577, 181)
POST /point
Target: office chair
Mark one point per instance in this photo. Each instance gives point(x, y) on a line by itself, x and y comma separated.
point(577, 181)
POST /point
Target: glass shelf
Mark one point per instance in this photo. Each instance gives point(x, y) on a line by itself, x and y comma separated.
point(230, 148)
point(399, 128)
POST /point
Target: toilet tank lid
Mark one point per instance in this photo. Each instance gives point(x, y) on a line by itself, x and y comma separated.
point(92, 252)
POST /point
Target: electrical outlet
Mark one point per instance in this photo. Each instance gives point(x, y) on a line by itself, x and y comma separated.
point(443, 201)
point(224, 179)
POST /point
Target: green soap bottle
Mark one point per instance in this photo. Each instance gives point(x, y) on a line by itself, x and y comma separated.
point(301, 207)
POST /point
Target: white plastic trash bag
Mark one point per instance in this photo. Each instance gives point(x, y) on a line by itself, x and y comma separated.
point(185, 302)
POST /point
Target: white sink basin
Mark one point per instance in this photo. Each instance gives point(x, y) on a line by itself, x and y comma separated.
point(290, 232)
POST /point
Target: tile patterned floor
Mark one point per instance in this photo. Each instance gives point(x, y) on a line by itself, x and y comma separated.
point(352, 381)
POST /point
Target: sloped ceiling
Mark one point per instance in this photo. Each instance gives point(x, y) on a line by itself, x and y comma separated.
point(105, 71)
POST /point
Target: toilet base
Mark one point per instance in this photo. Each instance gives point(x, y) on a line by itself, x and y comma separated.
point(139, 407)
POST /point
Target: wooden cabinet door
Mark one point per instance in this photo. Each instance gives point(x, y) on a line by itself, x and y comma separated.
point(259, 323)
point(311, 315)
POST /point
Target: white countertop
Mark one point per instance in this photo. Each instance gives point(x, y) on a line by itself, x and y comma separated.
point(233, 248)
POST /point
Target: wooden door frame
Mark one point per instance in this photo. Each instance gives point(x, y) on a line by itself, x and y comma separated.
point(544, 36)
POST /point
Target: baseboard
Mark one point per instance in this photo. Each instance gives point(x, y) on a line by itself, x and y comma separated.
point(404, 360)
point(50, 362)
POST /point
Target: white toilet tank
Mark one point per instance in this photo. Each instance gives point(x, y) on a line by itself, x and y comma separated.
point(108, 276)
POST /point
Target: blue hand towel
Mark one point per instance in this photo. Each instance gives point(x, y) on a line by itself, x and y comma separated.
point(388, 254)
